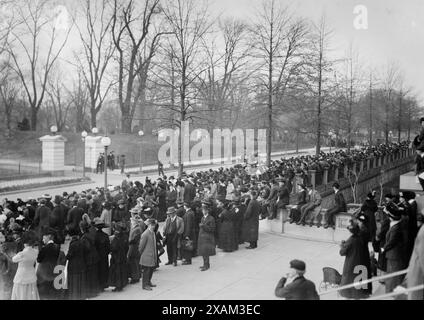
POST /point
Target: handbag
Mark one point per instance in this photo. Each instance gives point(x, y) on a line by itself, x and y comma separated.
point(187, 245)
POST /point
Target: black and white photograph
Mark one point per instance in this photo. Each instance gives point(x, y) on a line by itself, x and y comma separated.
point(240, 151)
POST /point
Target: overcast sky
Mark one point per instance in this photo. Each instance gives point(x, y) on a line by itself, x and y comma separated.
point(395, 30)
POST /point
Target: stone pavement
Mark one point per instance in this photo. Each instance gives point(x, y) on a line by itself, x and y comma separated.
point(242, 275)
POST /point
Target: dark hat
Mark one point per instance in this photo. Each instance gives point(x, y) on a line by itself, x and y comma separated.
point(421, 119)
point(171, 210)
point(98, 223)
point(187, 204)
point(309, 185)
point(370, 195)
point(49, 232)
point(393, 211)
point(121, 202)
point(180, 202)
point(298, 265)
point(408, 195)
point(389, 196)
point(151, 222)
point(206, 203)
point(57, 199)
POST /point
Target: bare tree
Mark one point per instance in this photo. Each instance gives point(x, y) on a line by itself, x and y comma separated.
point(319, 75)
point(80, 99)
point(37, 22)
point(349, 86)
point(98, 50)
point(227, 70)
point(188, 24)
point(8, 93)
point(279, 39)
point(127, 21)
point(58, 99)
point(390, 81)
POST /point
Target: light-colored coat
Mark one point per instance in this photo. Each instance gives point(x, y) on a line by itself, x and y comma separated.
point(415, 276)
point(147, 249)
point(26, 271)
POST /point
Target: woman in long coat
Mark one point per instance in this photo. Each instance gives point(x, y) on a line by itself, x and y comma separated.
point(102, 243)
point(353, 250)
point(118, 262)
point(91, 258)
point(227, 235)
point(251, 222)
point(133, 255)
point(206, 240)
point(76, 268)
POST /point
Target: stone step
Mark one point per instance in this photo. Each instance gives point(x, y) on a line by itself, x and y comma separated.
point(314, 233)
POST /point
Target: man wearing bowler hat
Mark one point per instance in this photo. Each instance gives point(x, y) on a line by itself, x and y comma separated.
point(294, 286)
point(206, 240)
point(174, 228)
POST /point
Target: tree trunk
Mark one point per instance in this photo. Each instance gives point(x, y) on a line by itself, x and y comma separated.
point(126, 122)
point(34, 112)
point(93, 119)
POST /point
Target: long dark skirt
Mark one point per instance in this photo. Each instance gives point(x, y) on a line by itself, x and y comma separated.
point(103, 272)
point(227, 237)
point(93, 286)
point(77, 286)
point(118, 275)
point(134, 268)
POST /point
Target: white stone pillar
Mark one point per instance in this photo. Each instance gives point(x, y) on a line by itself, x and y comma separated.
point(93, 148)
point(53, 150)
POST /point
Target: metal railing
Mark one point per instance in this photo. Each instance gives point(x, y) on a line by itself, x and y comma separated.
point(394, 294)
point(361, 283)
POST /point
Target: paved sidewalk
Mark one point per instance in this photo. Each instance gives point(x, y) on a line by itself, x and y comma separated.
point(242, 275)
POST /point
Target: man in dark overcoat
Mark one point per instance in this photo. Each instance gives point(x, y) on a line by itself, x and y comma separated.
point(206, 240)
point(189, 233)
point(47, 259)
point(42, 218)
point(340, 206)
point(251, 222)
point(294, 286)
point(102, 244)
point(133, 255)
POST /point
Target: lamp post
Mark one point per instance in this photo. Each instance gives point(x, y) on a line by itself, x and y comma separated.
point(84, 135)
point(106, 142)
point(330, 136)
point(141, 134)
point(53, 130)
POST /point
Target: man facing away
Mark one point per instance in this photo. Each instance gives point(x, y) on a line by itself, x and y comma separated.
point(294, 286)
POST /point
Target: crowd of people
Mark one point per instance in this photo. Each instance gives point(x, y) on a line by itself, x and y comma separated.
point(201, 211)
point(390, 231)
